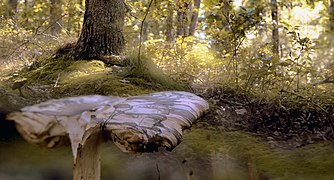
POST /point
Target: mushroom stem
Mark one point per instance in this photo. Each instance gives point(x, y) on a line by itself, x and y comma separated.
point(87, 161)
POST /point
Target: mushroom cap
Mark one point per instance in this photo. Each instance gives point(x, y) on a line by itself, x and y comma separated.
point(135, 124)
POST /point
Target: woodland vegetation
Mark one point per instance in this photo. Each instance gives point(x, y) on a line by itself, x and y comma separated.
point(265, 66)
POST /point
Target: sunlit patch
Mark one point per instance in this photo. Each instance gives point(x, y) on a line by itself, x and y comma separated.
point(307, 14)
point(307, 19)
point(237, 3)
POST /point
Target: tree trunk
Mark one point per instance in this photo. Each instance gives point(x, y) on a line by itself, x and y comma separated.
point(194, 17)
point(227, 15)
point(145, 31)
point(169, 24)
point(12, 7)
point(331, 15)
point(182, 18)
point(275, 35)
point(55, 14)
point(102, 31)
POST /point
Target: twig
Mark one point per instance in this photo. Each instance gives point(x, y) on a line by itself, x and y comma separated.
point(328, 80)
point(141, 32)
point(56, 84)
point(36, 33)
point(128, 9)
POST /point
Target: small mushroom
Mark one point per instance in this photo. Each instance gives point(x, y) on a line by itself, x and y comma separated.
point(135, 124)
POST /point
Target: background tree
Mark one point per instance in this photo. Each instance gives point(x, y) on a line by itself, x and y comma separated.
point(182, 18)
point(234, 39)
point(169, 23)
point(194, 17)
point(55, 16)
point(275, 35)
point(102, 31)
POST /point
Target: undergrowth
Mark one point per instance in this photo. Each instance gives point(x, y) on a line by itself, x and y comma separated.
point(149, 71)
point(303, 118)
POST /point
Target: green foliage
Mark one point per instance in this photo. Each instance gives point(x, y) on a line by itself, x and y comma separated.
point(33, 15)
point(186, 60)
point(227, 27)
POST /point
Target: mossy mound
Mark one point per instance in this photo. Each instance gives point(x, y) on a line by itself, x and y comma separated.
point(58, 78)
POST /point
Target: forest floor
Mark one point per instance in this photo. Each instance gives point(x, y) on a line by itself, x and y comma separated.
point(253, 134)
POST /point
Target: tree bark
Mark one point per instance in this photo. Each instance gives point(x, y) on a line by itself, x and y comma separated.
point(55, 13)
point(145, 31)
point(275, 35)
point(182, 18)
point(169, 24)
point(194, 17)
point(102, 31)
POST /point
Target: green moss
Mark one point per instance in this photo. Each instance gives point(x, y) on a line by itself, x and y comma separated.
point(92, 77)
point(56, 78)
point(46, 73)
point(81, 69)
point(309, 162)
point(70, 78)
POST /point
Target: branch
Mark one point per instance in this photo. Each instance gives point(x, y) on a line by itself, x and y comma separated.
point(128, 10)
point(328, 80)
point(35, 34)
point(141, 32)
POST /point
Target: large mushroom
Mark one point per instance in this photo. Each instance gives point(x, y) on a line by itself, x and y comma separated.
point(135, 124)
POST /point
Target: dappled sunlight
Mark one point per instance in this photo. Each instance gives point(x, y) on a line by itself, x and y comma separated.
point(306, 14)
point(238, 3)
point(307, 19)
point(187, 60)
point(82, 69)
